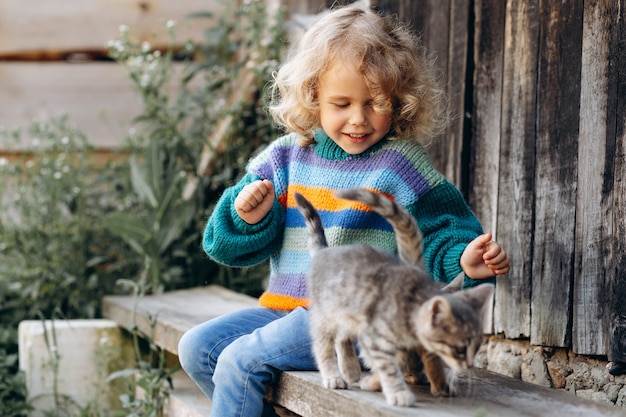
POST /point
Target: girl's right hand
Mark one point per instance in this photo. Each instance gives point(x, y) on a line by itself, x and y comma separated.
point(254, 201)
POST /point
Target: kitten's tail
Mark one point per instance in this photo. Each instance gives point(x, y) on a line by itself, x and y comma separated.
point(408, 236)
point(317, 238)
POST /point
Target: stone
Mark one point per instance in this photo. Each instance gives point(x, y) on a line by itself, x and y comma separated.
point(556, 374)
point(505, 358)
point(76, 357)
point(612, 391)
point(621, 398)
point(533, 368)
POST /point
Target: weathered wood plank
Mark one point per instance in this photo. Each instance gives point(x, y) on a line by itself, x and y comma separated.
point(98, 97)
point(456, 75)
point(489, 17)
point(479, 393)
point(174, 312)
point(69, 25)
point(517, 161)
point(594, 218)
point(558, 98)
point(434, 21)
point(616, 307)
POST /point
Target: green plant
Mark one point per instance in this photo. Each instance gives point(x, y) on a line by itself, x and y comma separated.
point(54, 252)
point(184, 105)
point(151, 374)
point(57, 253)
point(12, 385)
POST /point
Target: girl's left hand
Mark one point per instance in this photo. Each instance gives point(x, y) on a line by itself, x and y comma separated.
point(484, 258)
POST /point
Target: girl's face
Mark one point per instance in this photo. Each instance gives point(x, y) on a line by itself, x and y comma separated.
point(346, 112)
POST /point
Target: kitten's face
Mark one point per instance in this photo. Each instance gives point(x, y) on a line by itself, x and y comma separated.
point(451, 326)
point(455, 343)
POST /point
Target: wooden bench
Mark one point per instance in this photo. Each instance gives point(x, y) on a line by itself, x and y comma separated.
point(480, 394)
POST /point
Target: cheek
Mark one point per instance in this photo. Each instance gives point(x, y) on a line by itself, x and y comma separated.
point(383, 122)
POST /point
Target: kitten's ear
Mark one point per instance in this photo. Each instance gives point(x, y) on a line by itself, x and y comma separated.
point(456, 284)
point(478, 296)
point(439, 310)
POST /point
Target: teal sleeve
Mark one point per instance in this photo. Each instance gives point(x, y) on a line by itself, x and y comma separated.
point(448, 225)
point(231, 241)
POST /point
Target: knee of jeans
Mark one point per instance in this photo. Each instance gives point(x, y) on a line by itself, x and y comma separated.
point(190, 352)
point(234, 362)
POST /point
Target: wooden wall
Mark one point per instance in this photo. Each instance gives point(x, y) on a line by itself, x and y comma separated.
point(539, 149)
point(51, 59)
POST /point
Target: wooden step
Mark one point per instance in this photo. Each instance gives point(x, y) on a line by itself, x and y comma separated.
point(479, 394)
point(186, 400)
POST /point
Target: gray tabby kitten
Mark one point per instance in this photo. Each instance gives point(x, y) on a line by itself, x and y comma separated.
point(392, 307)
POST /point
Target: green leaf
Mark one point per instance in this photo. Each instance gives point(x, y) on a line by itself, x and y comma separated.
point(130, 228)
point(176, 224)
point(140, 183)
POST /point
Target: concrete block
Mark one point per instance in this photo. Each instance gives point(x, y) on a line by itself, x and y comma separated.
point(73, 358)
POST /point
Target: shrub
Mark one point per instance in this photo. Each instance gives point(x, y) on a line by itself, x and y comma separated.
point(73, 224)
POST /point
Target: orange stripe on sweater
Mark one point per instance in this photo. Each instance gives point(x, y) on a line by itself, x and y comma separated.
point(282, 302)
point(323, 199)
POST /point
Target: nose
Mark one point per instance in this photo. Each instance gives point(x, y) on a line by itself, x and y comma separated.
point(358, 117)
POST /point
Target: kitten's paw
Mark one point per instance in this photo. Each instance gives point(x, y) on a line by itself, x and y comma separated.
point(370, 382)
point(334, 383)
point(401, 398)
point(442, 391)
point(351, 375)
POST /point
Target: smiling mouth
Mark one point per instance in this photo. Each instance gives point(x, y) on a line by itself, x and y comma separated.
point(356, 138)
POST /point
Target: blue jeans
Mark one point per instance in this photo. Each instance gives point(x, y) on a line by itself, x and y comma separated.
point(235, 357)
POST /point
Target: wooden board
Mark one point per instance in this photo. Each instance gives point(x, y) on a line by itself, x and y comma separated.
point(175, 312)
point(479, 393)
point(517, 167)
point(456, 75)
point(485, 147)
point(70, 25)
point(97, 97)
point(558, 95)
point(431, 20)
point(594, 219)
point(615, 312)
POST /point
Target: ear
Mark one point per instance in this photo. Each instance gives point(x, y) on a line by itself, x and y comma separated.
point(456, 284)
point(439, 310)
point(478, 296)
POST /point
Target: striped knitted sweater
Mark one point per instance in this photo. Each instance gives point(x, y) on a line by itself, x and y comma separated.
point(400, 169)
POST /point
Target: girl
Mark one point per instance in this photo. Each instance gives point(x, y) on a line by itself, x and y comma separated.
point(355, 98)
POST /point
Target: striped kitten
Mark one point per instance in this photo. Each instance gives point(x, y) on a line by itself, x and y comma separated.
point(392, 307)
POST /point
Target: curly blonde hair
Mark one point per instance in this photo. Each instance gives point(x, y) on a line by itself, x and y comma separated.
point(399, 73)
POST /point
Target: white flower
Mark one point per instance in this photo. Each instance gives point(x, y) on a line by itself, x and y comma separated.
point(4, 162)
point(57, 175)
point(170, 24)
point(144, 81)
point(145, 47)
point(123, 28)
point(65, 140)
